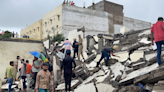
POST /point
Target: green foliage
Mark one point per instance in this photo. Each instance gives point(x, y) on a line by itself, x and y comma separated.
point(58, 38)
point(7, 34)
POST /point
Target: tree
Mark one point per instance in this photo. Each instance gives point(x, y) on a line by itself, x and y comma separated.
point(58, 38)
point(7, 34)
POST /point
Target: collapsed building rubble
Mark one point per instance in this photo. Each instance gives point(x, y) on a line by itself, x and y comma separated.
point(137, 65)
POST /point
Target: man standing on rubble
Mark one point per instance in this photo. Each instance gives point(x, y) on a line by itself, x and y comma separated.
point(36, 68)
point(106, 52)
point(80, 49)
point(15, 69)
point(157, 31)
point(28, 71)
point(67, 64)
point(75, 48)
point(23, 74)
point(10, 75)
point(43, 79)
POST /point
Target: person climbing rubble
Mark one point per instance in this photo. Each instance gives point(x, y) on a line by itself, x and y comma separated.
point(106, 52)
point(67, 45)
point(67, 65)
point(157, 31)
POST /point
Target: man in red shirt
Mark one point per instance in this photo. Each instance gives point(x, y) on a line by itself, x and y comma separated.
point(157, 31)
point(28, 71)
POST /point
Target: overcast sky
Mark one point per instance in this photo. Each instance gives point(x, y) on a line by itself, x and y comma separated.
point(18, 14)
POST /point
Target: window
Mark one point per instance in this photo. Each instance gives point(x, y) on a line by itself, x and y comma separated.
point(38, 28)
point(27, 33)
point(54, 19)
point(58, 17)
point(57, 26)
point(34, 30)
point(51, 21)
point(30, 32)
point(45, 24)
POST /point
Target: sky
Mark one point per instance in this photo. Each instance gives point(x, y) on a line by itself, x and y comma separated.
point(18, 14)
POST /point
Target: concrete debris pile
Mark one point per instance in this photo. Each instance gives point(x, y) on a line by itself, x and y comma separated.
point(136, 69)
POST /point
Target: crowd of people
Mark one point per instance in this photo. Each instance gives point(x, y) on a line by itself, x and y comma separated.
point(69, 3)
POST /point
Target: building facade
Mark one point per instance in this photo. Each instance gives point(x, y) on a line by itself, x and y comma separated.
point(103, 17)
point(33, 31)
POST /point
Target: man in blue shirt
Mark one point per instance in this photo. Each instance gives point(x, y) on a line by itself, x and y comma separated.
point(67, 64)
point(75, 48)
point(106, 54)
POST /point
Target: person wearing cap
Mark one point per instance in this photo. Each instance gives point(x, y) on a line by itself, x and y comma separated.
point(43, 80)
point(106, 52)
point(157, 32)
point(75, 48)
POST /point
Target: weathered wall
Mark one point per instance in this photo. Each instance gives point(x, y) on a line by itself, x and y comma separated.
point(52, 22)
point(132, 24)
point(135, 24)
point(9, 50)
point(94, 21)
point(33, 31)
point(112, 8)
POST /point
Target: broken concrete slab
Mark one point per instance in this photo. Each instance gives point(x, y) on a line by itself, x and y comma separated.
point(123, 56)
point(90, 58)
point(139, 54)
point(104, 87)
point(86, 88)
point(96, 38)
point(116, 69)
point(62, 86)
point(140, 72)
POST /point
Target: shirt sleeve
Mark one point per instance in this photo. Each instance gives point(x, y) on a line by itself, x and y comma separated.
point(74, 63)
point(37, 81)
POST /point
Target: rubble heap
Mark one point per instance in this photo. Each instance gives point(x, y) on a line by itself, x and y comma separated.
point(135, 70)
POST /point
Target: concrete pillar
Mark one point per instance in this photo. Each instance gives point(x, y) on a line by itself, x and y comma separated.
point(55, 68)
point(100, 44)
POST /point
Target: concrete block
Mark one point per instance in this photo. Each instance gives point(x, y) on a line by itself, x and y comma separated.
point(108, 37)
point(130, 89)
point(149, 87)
point(90, 58)
point(96, 38)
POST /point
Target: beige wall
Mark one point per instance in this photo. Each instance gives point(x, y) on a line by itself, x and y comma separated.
point(33, 31)
point(10, 50)
point(51, 21)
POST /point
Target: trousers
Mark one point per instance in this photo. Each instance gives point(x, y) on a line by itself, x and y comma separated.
point(159, 45)
point(67, 77)
point(28, 81)
point(10, 81)
point(104, 55)
point(80, 51)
